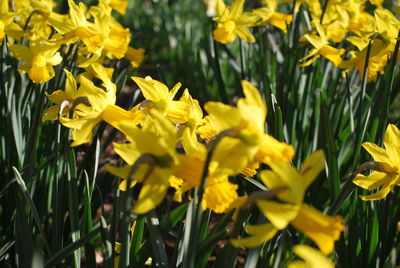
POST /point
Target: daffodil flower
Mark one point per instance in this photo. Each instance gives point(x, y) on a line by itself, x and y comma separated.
point(65, 100)
point(232, 22)
point(100, 105)
point(38, 60)
point(248, 120)
point(157, 140)
point(322, 229)
point(388, 177)
point(268, 15)
point(7, 26)
point(321, 46)
point(159, 97)
point(77, 26)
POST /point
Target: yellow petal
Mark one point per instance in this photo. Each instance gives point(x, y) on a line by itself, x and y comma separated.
point(114, 114)
point(312, 257)
point(378, 154)
point(259, 235)
point(21, 52)
point(279, 214)
point(152, 89)
point(373, 180)
point(270, 150)
point(222, 116)
point(236, 9)
point(272, 180)
point(85, 134)
point(291, 178)
point(135, 56)
point(121, 172)
point(312, 166)
point(392, 143)
point(153, 191)
point(127, 151)
point(382, 193)
point(245, 34)
point(51, 113)
point(324, 230)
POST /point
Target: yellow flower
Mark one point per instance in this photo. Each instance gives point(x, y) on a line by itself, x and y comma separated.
point(383, 38)
point(232, 22)
point(77, 26)
point(227, 160)
point(102, 107)
point(322, 229)
point(152, 147)
point(159, 97)
point(38, 59)
point(312, 258)
point(389, 159)
point(321, 46)
point(248, 121)
point(268, 15)
point(7, 26)
point(65, 100)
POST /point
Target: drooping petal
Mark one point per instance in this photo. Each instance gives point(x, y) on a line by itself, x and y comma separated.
point(324, 230)
point(373, 180)
point(153, 191)
point(278, 213)
point(311, 167)
point(259, 235)
point(312, 258)
point(382, 193)
point(245, 34)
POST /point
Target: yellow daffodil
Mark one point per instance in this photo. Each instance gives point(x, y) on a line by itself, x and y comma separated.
point(321, 46)
point(382, 41)
point(312, 258)
point(232, 22)
point(322, 229)
point(102, 107)
point(76, 26)
point(157, 141)
point(159, 97)
point(116, 37)
point(65, 100)
point(268, 14)
point(38, 60)
point(388, 161)
point(7, 26)
point(226, 160)
point(248, 121)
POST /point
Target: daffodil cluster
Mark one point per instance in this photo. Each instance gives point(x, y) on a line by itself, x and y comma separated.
point(372, 36)
point(39, 37)
point(171, 144)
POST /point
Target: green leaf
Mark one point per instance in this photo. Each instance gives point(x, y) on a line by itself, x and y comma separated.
point(68, 250)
